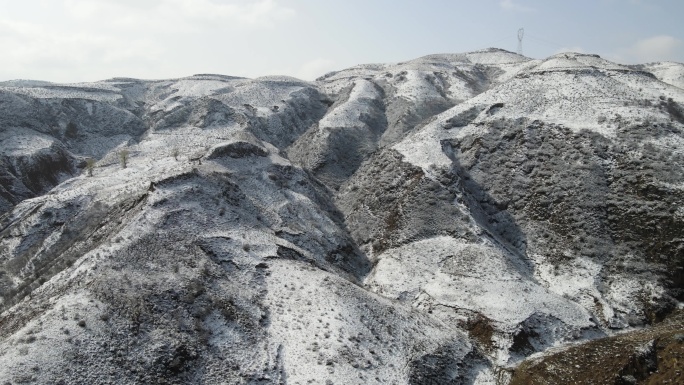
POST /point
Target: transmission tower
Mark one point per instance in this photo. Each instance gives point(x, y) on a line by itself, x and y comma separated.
point(521, 33)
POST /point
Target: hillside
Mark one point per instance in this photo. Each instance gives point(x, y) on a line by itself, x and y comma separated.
point(434, 221)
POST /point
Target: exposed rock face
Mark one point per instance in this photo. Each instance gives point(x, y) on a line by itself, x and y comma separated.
point(434, 221)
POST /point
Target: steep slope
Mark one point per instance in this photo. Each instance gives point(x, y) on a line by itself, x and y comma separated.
point(433, 221)
point(378, 104)
point(545, 209)
point(209, 258)
point(647, 356)
point(45, 125)
point(30, 164)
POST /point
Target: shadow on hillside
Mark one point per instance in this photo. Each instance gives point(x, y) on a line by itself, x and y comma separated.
point(490, 214)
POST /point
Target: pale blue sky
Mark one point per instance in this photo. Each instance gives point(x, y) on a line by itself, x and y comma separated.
point(87, 40)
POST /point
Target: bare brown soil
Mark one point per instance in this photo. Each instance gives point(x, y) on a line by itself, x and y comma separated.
point(650, 356)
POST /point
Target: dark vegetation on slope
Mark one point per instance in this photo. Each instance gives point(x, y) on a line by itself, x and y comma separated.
point(645, 357)
point(582, 192)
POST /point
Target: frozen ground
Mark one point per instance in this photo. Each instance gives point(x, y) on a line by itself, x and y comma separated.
point(432, 221)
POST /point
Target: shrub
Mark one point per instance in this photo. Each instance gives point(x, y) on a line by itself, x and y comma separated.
point(71, 130)
point(675, 110)
point(90, 165)
point(123, 157)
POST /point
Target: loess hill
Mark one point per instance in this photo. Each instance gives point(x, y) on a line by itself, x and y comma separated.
point(477, 218)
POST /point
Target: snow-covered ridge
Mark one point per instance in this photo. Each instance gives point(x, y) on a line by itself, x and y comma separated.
point(576, 61)
point(668, 72)
point(602, 99)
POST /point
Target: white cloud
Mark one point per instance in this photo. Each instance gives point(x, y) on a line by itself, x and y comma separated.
point(96, 39)
point(510, 5)
point(30, 48)
point(175, 13)
point(656, 48)
point(315, 68)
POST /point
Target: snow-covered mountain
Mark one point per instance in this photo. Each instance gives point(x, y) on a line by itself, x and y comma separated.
point(432, 221)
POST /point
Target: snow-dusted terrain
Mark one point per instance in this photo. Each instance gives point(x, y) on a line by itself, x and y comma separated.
point(434, 221)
